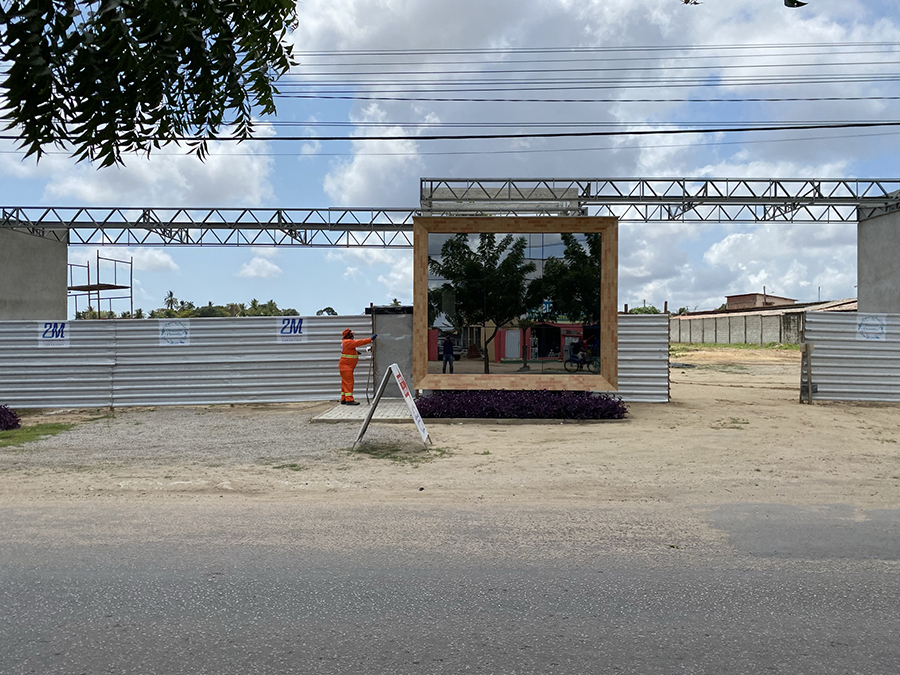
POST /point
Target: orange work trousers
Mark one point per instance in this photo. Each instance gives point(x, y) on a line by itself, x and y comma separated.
point(346, 368)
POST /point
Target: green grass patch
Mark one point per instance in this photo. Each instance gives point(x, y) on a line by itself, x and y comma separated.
point(292, 466)
point(730, 423)
point(732, 368)
point(18, 437)
point(399, 454)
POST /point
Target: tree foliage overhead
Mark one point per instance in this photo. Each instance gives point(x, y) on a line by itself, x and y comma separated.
point(103, 77)
point(489, 282)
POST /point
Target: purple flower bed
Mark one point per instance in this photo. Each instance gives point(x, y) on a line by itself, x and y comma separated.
point(542, 405)
point(8, 418)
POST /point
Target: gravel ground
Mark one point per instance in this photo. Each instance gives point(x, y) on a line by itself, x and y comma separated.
point(202, 435)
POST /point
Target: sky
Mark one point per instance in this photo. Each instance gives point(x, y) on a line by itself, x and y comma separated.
point(644, 49)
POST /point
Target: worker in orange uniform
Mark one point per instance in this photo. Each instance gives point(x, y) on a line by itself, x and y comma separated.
point(349, 359)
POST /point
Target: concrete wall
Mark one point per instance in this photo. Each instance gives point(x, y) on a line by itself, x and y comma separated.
point(740, 328)
point(878, 264)
point(32, 277)
point(393, 345)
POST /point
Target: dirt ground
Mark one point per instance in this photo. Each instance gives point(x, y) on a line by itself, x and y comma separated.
point(734, 431)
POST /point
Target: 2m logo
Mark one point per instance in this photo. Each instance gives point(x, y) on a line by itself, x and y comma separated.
point(54, 331)
point(291, 330)
point(291, 326)
point(53, 334)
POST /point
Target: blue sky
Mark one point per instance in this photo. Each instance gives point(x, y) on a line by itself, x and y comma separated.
point(685, 264)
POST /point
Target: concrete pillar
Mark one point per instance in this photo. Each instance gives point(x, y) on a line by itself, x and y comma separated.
point(878, 264)
point(33, 274)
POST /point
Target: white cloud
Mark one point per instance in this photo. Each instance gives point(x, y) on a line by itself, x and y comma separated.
point(377, 169)
point(259, 268)
point(232, 174)
point(390, 268)
point(398, 282)
point(264, 251)
point(144, 259)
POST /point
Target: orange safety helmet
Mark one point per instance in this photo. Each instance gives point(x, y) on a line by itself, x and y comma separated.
point(346, 332)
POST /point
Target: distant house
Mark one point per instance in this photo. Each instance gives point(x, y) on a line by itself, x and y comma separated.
point(756, 301)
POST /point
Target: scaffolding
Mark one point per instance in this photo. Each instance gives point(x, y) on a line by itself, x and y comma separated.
point(99, 290)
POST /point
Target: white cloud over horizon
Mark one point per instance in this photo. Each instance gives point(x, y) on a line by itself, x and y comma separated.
point(232, 174)
point(259, 268)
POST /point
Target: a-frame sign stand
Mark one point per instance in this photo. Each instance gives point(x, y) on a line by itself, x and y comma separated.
point(394, 372)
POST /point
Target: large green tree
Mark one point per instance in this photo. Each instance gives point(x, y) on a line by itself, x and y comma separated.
point(103, 77)
point(489, 282)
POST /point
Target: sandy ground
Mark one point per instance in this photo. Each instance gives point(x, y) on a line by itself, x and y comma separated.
point(734, 432)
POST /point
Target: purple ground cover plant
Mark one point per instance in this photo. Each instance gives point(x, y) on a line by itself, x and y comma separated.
point(503, 404)
point(8, 419)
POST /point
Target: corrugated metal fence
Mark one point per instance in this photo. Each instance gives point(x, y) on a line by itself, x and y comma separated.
point(122, 362)
point(169, 362)
point(854, 357)
point(644, 357)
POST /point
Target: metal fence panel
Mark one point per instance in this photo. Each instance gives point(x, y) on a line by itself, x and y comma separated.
point(71, 369)
point(217, 360)
point(122, 362)
point(855, 357)
point(644, 357)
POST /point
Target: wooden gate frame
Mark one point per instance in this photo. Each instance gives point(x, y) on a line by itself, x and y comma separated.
point(607, 380)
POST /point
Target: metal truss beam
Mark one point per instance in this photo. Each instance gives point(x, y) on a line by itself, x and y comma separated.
point(126, 226)
point(630, 200)
point(793, 200)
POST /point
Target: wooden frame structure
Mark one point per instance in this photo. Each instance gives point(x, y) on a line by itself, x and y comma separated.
point(607, 380)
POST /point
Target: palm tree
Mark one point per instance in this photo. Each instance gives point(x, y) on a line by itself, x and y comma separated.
point(171, 301)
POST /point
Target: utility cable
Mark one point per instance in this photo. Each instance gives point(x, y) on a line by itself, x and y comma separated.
point(555, 134)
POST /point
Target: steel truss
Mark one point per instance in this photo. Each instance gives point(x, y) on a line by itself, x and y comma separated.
point(792, 200)
point(629, 200)
point(126, 226)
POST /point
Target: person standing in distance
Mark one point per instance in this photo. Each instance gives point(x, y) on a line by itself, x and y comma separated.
point(448, 354)
point(349, 359)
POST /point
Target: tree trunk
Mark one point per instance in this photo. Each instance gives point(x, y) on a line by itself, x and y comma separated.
point(526, 350)
point(487, 358)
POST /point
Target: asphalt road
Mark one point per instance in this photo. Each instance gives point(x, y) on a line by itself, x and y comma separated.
point(299, 588)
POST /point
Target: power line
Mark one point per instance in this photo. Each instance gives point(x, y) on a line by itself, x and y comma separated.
point(560, 134)
point(469, 99)
point(593, 83)
point(516, 151)
point(834, 50)
point(590, 50)
point(618, 69)
point(524, 124)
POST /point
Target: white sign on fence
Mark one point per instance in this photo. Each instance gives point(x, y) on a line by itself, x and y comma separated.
point(290, 329)
point(53, 334)
point(871, 327)
point(174, 332)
